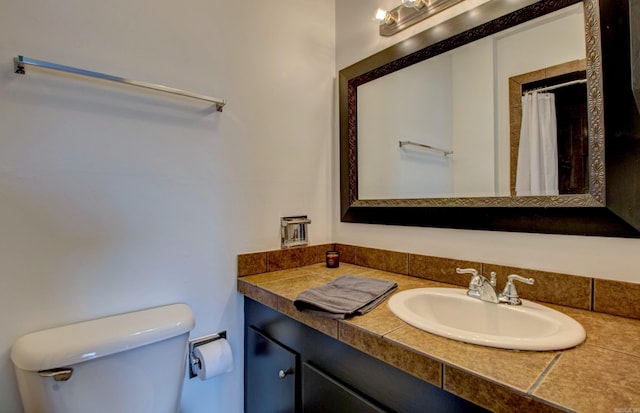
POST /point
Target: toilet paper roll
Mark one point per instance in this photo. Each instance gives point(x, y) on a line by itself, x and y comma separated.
point(215, 359)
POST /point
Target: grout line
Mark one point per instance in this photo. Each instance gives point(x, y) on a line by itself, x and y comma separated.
point(593, 294)
point(545, 373)
point(386, 333)
point(408, 265)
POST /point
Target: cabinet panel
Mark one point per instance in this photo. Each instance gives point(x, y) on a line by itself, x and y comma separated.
point(270, 375)
point(322, 393)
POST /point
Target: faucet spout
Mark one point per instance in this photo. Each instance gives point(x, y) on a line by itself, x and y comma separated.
point(479, 286)
point(488, 292)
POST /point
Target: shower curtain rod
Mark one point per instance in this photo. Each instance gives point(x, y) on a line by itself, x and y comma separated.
point(21, 61)
point(558, 86)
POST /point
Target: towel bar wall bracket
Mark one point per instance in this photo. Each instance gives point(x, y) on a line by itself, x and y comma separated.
point(20, 62)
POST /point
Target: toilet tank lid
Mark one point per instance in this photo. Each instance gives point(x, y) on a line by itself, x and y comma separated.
point(87, 340)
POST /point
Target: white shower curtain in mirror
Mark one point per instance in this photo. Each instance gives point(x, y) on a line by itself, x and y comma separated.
point(537, 172)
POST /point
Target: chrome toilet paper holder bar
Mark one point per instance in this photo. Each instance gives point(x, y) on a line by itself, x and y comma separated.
point(196, 342)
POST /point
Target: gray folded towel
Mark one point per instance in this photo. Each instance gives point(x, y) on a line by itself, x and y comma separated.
point(345, 296)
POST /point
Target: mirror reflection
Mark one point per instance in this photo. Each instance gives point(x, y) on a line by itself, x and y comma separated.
point(502, 116)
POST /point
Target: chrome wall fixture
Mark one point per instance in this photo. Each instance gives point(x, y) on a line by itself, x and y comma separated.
point(200, 341)
point(294, 231)
point(409, 13)
point(21, 61)
point(429, 147)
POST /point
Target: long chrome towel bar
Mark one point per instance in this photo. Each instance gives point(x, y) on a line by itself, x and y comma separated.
point(431, 148)
point(21, 61)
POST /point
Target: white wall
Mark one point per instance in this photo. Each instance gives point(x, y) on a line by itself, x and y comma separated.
point(113, 199)
point(612, 258)
point(358, 32)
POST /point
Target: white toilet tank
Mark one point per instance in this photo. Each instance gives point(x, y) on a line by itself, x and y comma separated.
point(127, 363)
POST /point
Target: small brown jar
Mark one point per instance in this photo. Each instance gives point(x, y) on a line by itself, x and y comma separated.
point(333, 259)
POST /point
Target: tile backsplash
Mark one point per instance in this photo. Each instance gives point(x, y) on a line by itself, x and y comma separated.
point(587, 293)
point(276, 260)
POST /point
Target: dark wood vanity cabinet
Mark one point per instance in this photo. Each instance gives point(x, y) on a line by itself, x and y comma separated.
point(321, 374)
point(322, 393)
point(271, 374)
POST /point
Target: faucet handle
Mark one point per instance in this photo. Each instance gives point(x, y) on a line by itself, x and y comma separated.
point(471, 271)
point(510, 295)
point(474, 283)
point(476, 279)
point(520, 278)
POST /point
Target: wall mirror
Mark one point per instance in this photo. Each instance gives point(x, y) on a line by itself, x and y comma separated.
point(433, 133)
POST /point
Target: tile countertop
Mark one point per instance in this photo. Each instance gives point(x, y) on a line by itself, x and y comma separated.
point(600, 375)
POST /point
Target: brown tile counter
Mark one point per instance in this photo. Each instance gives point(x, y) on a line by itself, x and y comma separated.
point(600, 375)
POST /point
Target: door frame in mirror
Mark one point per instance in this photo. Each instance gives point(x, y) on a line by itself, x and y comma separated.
point(604, 211)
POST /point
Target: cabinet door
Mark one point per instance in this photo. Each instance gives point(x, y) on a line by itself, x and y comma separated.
point(322, 393)
point(270, 375)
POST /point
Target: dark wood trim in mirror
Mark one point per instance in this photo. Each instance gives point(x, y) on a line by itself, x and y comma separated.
point(611, 206)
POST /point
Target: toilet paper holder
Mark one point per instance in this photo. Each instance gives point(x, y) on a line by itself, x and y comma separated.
point(196, 342)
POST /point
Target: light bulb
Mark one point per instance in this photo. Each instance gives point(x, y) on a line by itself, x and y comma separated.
point(386, 17)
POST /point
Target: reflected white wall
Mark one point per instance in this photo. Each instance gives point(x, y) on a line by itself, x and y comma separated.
point(403, 106)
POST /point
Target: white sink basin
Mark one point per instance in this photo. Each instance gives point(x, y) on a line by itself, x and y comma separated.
point(449, 312)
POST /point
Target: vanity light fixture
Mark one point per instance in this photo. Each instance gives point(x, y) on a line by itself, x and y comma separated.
point(409, 13)
point(418, 4)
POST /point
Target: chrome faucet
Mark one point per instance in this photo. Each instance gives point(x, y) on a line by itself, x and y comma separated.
point(485, 289)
